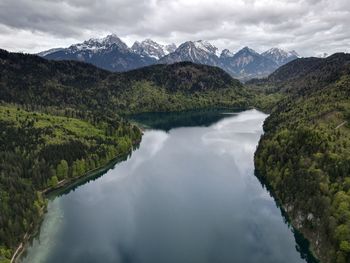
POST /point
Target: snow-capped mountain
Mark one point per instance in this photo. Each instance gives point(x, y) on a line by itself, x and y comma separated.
point(152, 49)
point(280, 56)
point(96, 44)
point(201, 52)
point(109, 53)
point(113, 54)
point(47, 52)
point(226, 54)
point(247, 63)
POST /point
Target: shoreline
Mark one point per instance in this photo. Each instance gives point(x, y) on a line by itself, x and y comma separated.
point(63, 185)
point(68, 184)
point(301, 232)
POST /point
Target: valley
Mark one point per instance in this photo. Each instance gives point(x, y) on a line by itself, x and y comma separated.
point(61, 119)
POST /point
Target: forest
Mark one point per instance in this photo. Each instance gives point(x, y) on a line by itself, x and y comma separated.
point(39, 150)
point(61, 119)
point(31, 80)
point(304, 155)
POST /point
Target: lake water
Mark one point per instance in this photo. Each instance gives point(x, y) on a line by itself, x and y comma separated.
point(187, 194)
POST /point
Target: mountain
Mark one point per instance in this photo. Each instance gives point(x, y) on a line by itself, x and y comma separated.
point(294, 70)
point(247, 63)
point(303, 156)
point(109, 53)
point(113, 54)
point(201, 52)
point(280, 56)
point(304, 74)
point(225, 53)
point(150, 48)
point(50, 51)
point(31, 80)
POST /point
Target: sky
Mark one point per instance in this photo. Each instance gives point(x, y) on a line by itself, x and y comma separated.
point(311, 27)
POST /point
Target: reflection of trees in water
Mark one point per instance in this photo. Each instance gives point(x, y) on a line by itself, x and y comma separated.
point(168, 120)
point(302, 244)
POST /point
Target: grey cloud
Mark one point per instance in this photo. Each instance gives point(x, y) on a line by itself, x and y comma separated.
point(309, 26)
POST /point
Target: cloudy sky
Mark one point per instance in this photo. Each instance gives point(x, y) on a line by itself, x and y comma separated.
point(311, 27)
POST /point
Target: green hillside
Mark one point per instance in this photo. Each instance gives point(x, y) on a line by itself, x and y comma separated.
point(31, 80)
point(304, 155)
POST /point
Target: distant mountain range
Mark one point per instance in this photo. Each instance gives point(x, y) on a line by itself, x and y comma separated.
point(113, 54)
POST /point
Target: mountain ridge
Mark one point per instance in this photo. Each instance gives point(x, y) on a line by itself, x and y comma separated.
point(113, 54)
point(23, 84)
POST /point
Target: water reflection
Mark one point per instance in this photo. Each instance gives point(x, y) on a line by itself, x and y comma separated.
point(186, 195)
point(167, 121)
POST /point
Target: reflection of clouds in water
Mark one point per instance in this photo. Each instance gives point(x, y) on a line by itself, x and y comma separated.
point(152, 143)
point(237, 136)
point(241, 120)
point(184, 196)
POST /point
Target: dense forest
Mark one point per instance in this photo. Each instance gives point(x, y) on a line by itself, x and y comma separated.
point(31, 80)
point(61, 119)
point(39, 150)
point(304, 155)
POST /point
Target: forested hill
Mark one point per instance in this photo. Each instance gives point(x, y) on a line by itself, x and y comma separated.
point(31, 80)
point(304, 155)
point(304, 74)
point(185, 76)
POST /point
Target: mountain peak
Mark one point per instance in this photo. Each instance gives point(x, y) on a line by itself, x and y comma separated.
point(149, 41)
point(246, 49)
point(100, 43)
point(200, 51)
point(112, 39)
point(206, 46)
point(150, 48)
point(280, 51)
point(280, 56)
point(226, 54)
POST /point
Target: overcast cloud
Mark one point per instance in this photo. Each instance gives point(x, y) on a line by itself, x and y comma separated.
point(311, 27)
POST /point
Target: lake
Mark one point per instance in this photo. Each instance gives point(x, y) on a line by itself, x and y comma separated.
point(187, 194)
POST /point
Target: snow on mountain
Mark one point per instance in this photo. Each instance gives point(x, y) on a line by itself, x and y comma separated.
point(109, 53)
point(206, 46)
point(170, 48)
point(226, 54)
point(152, 49)
point(200, 51)
point(47, 52)
point(113, 54)
point(95, 44)
point(280, 56)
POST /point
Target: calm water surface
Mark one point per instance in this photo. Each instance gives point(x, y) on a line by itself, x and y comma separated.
point(188, 194)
